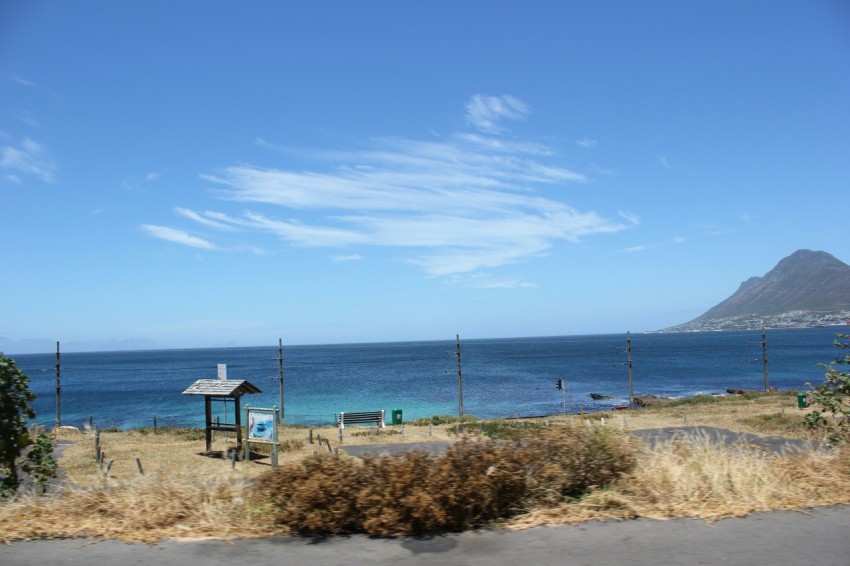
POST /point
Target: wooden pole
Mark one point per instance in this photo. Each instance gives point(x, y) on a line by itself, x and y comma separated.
point(564, 396)
point(58, 387)
point(764, 358)
point(208, 413)
point(459, 380)
point(280, 375)
point(631, 389)
point(238, 423)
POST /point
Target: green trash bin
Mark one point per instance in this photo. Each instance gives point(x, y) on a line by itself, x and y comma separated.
point(801, 400)
point(396, 416)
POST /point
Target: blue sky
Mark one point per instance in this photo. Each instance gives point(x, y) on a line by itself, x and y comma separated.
point(213, 173)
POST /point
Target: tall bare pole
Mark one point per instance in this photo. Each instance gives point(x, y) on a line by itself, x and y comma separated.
point(564, 396)
point(764, 359)
point(459, 380)
point(280, 376)
point(58, 387)
point(629, 350)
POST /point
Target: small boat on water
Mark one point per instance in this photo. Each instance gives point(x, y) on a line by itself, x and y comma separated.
point(598, 396)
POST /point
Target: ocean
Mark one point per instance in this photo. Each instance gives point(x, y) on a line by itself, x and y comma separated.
point(500, 377)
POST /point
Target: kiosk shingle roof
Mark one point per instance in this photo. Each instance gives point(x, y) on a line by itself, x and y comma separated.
point(221, 388)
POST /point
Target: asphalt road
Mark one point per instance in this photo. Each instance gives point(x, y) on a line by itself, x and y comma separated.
point(726, 437)
point(818, 536)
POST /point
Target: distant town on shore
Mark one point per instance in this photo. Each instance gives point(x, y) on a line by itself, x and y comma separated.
point(791, 319)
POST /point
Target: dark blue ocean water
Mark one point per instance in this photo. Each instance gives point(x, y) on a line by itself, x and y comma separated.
point(501, 378)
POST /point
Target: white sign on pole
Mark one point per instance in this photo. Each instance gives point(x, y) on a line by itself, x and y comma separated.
point(222, 372)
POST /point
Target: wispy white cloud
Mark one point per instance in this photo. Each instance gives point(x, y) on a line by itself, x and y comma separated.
point(662, 159)
point(30, 159)
point(629, 217)
point(22, 81)
point(486, 113)
point(206, 220)
point(140, 184)
point(654, 246)
point(597, 169)
point(587, 143)
point(462, 203)
point(177, 236)
point(716, 229)
point(346, 258)
point(27, 118)
point(488, 281)
point(508, 284)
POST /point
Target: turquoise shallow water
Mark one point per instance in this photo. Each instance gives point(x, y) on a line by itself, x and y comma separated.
point(501, 377)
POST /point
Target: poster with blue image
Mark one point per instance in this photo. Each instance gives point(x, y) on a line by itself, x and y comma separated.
point(261, 425)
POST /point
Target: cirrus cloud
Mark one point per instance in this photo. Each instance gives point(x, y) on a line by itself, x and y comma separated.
point(457, 205)
point(177, 236)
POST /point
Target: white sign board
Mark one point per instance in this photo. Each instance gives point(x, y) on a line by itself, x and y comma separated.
point(222, 372)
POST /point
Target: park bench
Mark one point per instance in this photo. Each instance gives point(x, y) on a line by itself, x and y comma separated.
point(367, 417)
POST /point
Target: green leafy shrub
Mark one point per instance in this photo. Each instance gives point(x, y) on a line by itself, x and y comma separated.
point(20, 450)
point(475, 482)
point(775, 423)
point(39, 463)
point(444, 419)
point(376, 431)
point(833, 397)
point(695, 400)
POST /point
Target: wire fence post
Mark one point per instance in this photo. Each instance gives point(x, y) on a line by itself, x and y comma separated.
point(58, 387)
point(764, 359)
point(629, 351)
point(280, 376)
point(459, 379)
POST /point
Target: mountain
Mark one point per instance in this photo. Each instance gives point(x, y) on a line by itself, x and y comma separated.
point(806, 288)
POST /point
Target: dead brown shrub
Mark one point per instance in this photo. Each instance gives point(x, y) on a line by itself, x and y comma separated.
point(475, 482)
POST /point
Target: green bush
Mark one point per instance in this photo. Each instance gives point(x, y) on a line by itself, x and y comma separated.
point(833, 397)
point(475, 482)
point(444, 419)
point(775, 423)
point(695, 400)
point(21, 449)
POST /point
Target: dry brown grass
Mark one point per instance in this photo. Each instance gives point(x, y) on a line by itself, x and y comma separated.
point(710, 482)
point(144, 510)
point(185, 494)
point(736, 413)
point(178, 454)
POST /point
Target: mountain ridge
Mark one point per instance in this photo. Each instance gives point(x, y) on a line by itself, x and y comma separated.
point(807, 288)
